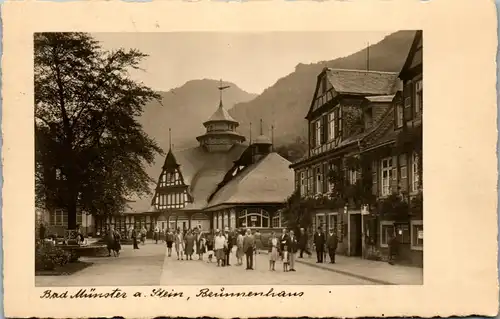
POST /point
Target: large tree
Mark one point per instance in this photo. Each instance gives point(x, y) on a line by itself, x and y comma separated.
point(90, 150)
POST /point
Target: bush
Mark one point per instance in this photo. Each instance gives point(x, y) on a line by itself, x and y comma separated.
point(48, 256)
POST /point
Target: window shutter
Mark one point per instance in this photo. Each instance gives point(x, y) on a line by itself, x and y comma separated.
point(313, 135)
point(375, 178)
point(394, 177)
point(324, 127)
point(403, 165)
point(337, 121)
point(408, 101)
point(325, 177)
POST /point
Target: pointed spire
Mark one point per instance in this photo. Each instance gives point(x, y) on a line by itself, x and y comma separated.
point(250, 133)
point(272, 138)
point(221, 88)
point(169, 138)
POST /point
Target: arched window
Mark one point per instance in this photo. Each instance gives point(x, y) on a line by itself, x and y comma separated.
point(254, 218)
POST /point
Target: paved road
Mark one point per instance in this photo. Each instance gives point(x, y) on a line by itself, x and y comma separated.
point(150, 266)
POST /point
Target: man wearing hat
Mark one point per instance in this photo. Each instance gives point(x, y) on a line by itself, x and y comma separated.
point(229, 247)
point(331, 245)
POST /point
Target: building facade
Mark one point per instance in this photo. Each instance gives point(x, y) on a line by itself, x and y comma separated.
point(362, 174)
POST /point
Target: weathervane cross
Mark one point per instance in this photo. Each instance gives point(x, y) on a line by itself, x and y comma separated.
point(222, 88)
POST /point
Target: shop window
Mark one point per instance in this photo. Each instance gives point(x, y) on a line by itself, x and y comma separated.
point(403, 233)
point(386, 176)
point(386, 230)
point(255, 218)
point(417, 235)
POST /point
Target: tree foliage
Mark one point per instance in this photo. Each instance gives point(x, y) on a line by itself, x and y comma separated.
point(90, 151)
point(293, 151)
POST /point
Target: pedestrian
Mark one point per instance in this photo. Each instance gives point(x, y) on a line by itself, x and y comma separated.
point(189, 241)
point(285, 258)
point(292, 249)
point(393, 244)
point(248, 248)
point(219, 244)
point(179, 245)
point(283, 239)
point(169, 238)
point(210, 246)
point(110, 240)
point(156, 234)
point(239, 248)
point(303, 240)
point(143, 235)
point(117, 243)
point(200, 245)
point(319, 243)
point(331, 245)
point(258, 241)
point(134, 235)
point(229, 246)
point(273, 250)
point(42, 231)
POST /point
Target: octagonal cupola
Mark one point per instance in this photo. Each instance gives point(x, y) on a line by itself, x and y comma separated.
point(221, 127)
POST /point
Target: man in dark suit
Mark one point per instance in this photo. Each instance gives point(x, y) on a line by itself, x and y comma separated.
point(292, 245)
point(283, 240)
point(319, 243)
point(331, 245)
point(303, 243)
point(248, 248)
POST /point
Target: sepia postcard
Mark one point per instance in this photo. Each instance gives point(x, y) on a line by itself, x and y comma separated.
point(249, 159)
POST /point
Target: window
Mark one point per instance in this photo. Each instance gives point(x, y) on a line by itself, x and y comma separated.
point(253, 217)
point(310, 181)
point(331, 167)
point(331, 126)
point(317, 132)
point(332, 221)
point(353, 176)
point(386, 176)
point(402, 167)
point(386, 230)
point(399, 115)
point(418, 96)
point(277, 220)
point(303, 184)
point(319, 180)
point(320, 221)
point(219, 220)
point(415, 183)
point(226, 219)
point(417, 235)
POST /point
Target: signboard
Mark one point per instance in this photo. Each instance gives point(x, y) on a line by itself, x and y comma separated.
point(420, 234)
point(253, 218)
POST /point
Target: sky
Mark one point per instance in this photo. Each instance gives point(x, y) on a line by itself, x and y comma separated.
point(253, 61)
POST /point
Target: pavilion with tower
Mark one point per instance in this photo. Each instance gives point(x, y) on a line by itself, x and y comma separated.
point(222, 182)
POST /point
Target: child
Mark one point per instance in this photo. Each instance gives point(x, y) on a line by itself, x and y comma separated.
point(210, 248)
point(285, 258)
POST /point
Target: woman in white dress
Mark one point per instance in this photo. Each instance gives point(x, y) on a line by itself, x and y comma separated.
point(179, 245)
point(273, 250)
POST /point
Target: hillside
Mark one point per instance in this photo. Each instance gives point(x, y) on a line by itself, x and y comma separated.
point(287, 101)
point(185, 108)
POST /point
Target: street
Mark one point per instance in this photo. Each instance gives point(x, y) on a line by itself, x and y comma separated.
point(150, 266)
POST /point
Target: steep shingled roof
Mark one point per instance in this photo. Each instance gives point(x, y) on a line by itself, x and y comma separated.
point(270, 180)
point(220, 115)
point(364, 82)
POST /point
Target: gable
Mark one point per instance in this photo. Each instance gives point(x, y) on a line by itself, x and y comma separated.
point(323, 93)
point(415, 55)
